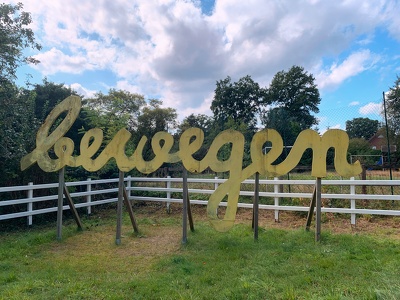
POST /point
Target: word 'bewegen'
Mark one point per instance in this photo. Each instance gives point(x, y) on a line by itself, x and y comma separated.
point(189, 143)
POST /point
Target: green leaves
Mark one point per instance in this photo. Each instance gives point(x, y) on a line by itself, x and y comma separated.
point(242, 101)
point(393, 106)
point(15, 37)
point(296, 92)
point(362, 128)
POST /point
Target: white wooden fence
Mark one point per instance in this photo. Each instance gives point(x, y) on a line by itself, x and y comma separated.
point(108, 189)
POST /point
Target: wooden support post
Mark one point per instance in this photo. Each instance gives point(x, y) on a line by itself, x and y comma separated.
point(255, 204)
point(61, 182)
point(315, 203)
point(318, 210)
point(189, 209)
point(72, 208)
point(119, 207)
point(184, 206)
point(130, 211)
point(311, 210)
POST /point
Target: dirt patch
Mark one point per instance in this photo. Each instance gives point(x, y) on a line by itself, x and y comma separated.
point(334, 223)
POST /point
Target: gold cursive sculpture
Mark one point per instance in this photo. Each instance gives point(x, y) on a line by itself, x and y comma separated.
point(189, 143)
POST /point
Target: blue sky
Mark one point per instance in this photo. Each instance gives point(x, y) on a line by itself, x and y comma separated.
point(176, 50)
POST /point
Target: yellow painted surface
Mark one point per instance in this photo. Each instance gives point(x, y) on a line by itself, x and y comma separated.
point(190, 141)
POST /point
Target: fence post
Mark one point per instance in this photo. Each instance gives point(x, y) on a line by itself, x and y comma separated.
point(276, 199)
point(353, 202)
point(168, 194)
point(215, 183)
point(30, 204)
point(89, 196)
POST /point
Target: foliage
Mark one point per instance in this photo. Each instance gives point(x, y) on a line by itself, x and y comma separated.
point(155, 118)
point(361, 149)
point(15, 38)
point(393, 115)
point(201, 121)
point(361, 128)
point(17, 130)
point(205, 123)
point(393, 106)
point(297, 94)
point(48, 95)
point(296, 97)
point(115, 110)
point(241, 101)
point(280, 119)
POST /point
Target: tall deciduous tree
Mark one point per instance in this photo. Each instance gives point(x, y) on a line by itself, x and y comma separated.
point(295, 92)
point(48, 95)
point(17, 130)
point(15, 38)
point(201, 121)
point(240, 101)
point(363, 128)
point(115, 110)
point(156, 118)
point(294, 97)
point(393, 113)
point(393, 106)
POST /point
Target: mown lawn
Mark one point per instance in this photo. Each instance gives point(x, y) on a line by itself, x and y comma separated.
point(282, 264)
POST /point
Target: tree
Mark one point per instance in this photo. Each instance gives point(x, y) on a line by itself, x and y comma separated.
point(48, 95)
point(361, 150)
point(117, 109)
point(17, 131)
point(15, 37)
point(280, 119)
point(201, 121)
point(241, 101)
point(393, 106)
point(295, 92)
point(155, 118)
point(363, 128)
point(294, 96)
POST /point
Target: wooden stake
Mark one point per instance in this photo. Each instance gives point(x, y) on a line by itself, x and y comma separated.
point(318, 210)
point(185, 207)
point(119, 207)
point(315, 203)
point(311, 210)
point(72, 208)
point(255, 205)
point(61, 182)
point(130, 211)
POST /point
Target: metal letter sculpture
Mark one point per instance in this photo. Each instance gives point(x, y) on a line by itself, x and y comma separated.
point(190, 141)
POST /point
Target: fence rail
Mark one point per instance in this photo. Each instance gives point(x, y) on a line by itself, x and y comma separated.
point(98, 192)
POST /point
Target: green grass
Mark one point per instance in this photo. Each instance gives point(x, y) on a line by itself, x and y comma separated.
point(282, 264)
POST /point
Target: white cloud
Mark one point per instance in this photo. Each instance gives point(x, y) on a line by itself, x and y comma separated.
point(354, 64)
point(323, 130)
point(354, 103)
point(170, 49)
point(337, 126)
point(371, 109)
point(86, 93)
point(126, 86)
point(54, 61)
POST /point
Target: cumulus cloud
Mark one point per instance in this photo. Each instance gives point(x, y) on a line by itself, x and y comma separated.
point(354, 64)
point(82, 91)
point(54, 61)
point(171, 50)
point(371, 109)
point(354, 103)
